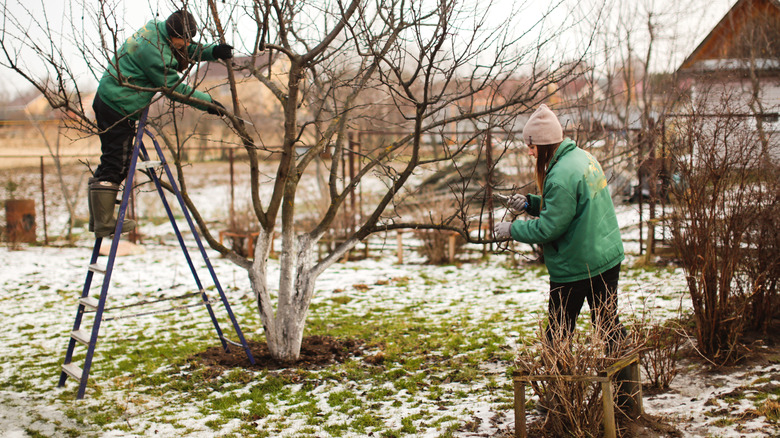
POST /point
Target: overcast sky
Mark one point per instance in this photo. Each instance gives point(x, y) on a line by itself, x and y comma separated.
point(681, 24)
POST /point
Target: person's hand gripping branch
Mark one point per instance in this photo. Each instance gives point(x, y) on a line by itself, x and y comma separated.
point(218, 109)
point(516, 204)
point(501, 230)
point(223, 51)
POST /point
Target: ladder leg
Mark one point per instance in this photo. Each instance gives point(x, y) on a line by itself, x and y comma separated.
point(205, 256)
point(183, 246)
point(80, 311)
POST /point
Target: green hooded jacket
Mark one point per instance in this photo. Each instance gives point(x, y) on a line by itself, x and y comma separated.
point(146, 60)
point(576, 221)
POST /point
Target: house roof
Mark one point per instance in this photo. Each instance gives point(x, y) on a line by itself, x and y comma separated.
point(714, 51)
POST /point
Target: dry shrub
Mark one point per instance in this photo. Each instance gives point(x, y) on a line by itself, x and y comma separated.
point(762, 253)
point(571, 408)
point(724, 228)
point(243, 223)
point(662, 343)
point(435, 244)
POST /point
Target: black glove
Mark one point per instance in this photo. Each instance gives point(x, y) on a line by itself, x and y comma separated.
point(219, 110)
point(223, 51)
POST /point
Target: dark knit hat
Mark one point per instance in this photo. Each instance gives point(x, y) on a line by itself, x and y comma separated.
point(181, 24)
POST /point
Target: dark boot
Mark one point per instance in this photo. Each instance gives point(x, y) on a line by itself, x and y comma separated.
point(90, 181)
point(102, 198)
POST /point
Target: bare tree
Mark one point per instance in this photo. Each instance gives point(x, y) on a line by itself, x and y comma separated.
point(636, 85)
point(418, 67)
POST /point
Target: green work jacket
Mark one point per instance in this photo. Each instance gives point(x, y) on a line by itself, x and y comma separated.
point(575, 218)
point(146, 60)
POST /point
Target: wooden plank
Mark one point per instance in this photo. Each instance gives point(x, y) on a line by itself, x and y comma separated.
point(97, 268)
point(520, 431)
point(620, 364)
point(143, 165)
point(89, 302)
point(609, 410)
point(560, 378)
point(81, 336)
point(72, 370)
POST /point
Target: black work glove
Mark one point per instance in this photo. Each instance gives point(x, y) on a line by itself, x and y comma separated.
point(219, 110)
point(223, 51)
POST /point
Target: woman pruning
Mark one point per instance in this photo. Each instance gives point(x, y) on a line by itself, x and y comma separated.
point(574, 221)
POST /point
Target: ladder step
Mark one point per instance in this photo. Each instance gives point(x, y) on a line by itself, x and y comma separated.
point(89, 302)
point(72, 370)
point(231, 342)
point(142, 165)
point(81, 336)
point(97, 268)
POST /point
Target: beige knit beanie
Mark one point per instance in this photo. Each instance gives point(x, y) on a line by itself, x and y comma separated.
point(543, 128)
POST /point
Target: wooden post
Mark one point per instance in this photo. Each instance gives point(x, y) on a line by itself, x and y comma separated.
point(488, 189)
point(134, 234)
point(43, 206)
point(636, 389)
point(451, 247)
point(250, 245)
point(609, 408)
point(399, 247)
point(519, 385)
point(232, 192)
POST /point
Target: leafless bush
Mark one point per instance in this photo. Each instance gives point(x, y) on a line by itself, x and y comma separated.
point(662, 343)
point(435, 245)
point(241, 227)
point(572, 405)
point(724, 228)
point(762, 253)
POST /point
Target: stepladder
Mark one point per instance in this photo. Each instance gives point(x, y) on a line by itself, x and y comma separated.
point(93, 306)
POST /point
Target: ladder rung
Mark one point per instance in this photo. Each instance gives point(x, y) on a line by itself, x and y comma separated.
point(72, 370)
point(141, 165)
point(90, 302)
point(97, 268)
point(231, 342)
point(81, 336)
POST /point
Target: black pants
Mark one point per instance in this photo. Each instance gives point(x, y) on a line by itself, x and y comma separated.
point(601, 292)
point(116, 142)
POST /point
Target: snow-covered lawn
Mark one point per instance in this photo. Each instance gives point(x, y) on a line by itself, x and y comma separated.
point(448, 335)
point(143, 384)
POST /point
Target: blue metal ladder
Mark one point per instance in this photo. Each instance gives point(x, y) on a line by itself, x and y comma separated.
point(88, 303)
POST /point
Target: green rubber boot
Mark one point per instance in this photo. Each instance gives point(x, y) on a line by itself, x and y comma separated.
point(89, 203)
point(102, 198)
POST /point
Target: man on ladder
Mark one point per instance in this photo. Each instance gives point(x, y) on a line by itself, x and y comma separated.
point(151, 59)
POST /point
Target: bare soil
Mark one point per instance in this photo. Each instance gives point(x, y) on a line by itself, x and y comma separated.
point(316, 352)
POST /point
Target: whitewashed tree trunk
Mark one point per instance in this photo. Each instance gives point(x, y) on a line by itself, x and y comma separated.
point(284, 325)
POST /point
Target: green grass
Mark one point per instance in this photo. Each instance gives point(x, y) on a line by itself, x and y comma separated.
point(432, 361)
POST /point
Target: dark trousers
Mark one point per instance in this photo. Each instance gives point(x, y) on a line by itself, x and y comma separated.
point(116, 142)
point(601, 292)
